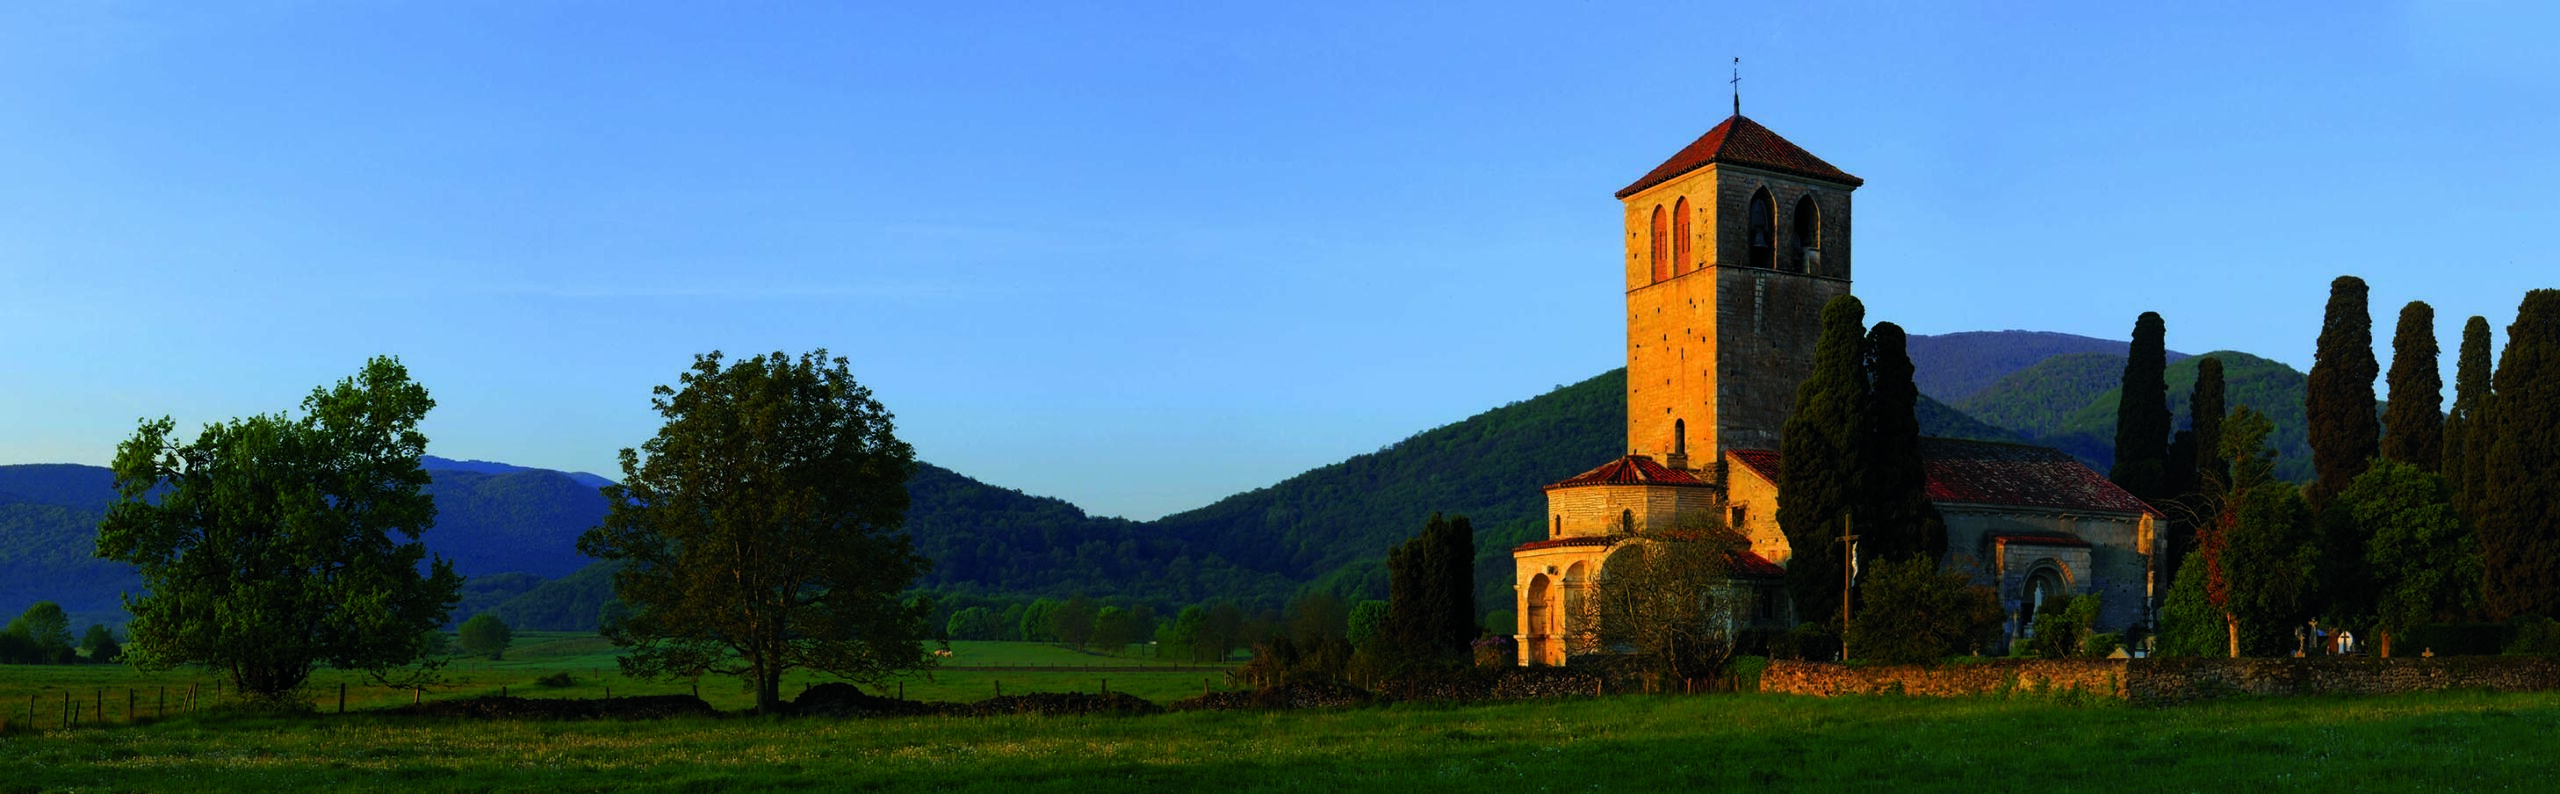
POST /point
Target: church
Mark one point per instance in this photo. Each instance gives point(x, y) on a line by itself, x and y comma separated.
point(1733, 246)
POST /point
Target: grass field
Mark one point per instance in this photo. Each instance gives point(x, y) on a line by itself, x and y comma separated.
point(2458, 741)
point(2446, 741)
point(588, 660)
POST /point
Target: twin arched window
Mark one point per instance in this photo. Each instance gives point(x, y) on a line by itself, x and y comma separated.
point(1762, 232)
point(1807, 239)
point(1661, 247)
point(1680, 236)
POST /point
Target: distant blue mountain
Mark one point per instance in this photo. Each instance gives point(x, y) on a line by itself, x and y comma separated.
point(433, 463)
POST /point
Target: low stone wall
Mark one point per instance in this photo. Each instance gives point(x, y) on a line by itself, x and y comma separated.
point(2101, 677)
point(2164, 681)
point(2167, 681)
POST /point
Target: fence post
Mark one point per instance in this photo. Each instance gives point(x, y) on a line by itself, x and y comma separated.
point(128, 704)
point(162, 710)
point(342, 698)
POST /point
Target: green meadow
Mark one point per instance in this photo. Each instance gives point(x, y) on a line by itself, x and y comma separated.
point(2441, 741)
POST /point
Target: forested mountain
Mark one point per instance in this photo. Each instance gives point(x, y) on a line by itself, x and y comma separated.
point(1955, 367)
point(2069, 402)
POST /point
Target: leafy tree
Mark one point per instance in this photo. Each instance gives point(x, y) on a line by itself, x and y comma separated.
point(762, 531)
point(266, 544)
point(1501, 623)
point(2345, 433)
point(1115, 627)
point(2413, 422)
point(1366, 621)
point(975, 623)
point(1315, 616)
point(1918, 613)
point(486, 635)
point(1072, 622)
point(1662, 599)
point(2142, 414)
point(2426, 564)
point(100, 645)
point(2519, 509)
point(2190, 624)
point(2262, 556)
point(1222, 631)
point(2466, 434)
point(2062, 630)
point(47, 631)
point(1431, 592)
point(1898, 518)
point(1818, 456)
point(1039, 620)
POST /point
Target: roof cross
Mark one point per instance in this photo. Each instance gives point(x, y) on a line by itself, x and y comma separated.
point(1737, 85)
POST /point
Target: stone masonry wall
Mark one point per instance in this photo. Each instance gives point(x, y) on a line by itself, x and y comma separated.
point(2169, 681)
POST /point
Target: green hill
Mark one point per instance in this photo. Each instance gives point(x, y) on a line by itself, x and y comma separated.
point(2069, 402)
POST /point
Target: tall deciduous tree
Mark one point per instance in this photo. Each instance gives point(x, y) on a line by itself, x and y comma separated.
point(2466, 432)
point(2262, 559)
point(2345, 433)
point(761, 529)
point(267, 545)
point(2204, 471)
point(1818, 456)
point(1897, 520)
point(2142, 414)
point(2426, 565)
point(1662, 598)
point(1431, 591)
point(2519, 508)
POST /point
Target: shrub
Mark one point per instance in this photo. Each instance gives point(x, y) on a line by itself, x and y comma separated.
point(556, 681)
point(1806, 642)
point(1917, 614)
point(2099, 646)
point(2535, 636)
point(2455, 639)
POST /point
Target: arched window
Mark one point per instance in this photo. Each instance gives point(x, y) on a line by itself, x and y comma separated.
point(1763, 231)
point(1559, 530)
point(1680, 437)
point(1627, 521)
point(1661, 247)
point(1680, 236)
point(1806, 241)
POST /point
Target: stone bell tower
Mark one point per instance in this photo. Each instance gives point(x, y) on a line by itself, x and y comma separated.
point(1733, 246)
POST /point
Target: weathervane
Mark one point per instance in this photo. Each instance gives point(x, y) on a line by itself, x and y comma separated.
point(1737, 85)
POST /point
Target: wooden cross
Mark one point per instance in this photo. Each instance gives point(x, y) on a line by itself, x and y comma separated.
point(1737, 85)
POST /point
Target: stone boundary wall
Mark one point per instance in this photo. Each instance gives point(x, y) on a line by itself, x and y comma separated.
point(2168, 681)
point(2103, 677)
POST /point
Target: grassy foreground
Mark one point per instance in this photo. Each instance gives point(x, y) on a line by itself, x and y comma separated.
point(2450, 741)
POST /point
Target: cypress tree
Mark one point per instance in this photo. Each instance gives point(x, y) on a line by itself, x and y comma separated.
point(2205, 408)
point(2413, 422)
point(2520, 504)
point(2465, 434)
point(2345, 433)
point(1431, 591)
point(1818, 457)
point(2142, 414)
point(2205, 471)
point(1897, 520)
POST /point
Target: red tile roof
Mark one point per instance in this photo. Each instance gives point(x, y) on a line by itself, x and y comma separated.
point(1984, 472)
point(1746, 563)
point(1763, 462)
point(1991, 473)
point(1631, 470)
point(1741, 141)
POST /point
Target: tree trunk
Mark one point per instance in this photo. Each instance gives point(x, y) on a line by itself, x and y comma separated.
point(768, 690)
point(2231, 629)
point(2382, 642)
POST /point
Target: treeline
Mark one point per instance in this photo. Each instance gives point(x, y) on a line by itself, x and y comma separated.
point(2419, 521)
point(42, 635)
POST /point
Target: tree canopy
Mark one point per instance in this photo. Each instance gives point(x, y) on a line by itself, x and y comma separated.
point(760, 529)
point(1431, 598)
point(2519, 502)
point(267, 544)
point(1895, 517)
point(486, 635)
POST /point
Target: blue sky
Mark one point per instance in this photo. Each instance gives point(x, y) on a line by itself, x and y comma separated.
point(1144, 256)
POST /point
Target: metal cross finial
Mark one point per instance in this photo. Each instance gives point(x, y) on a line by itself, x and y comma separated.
point(1737, 85)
